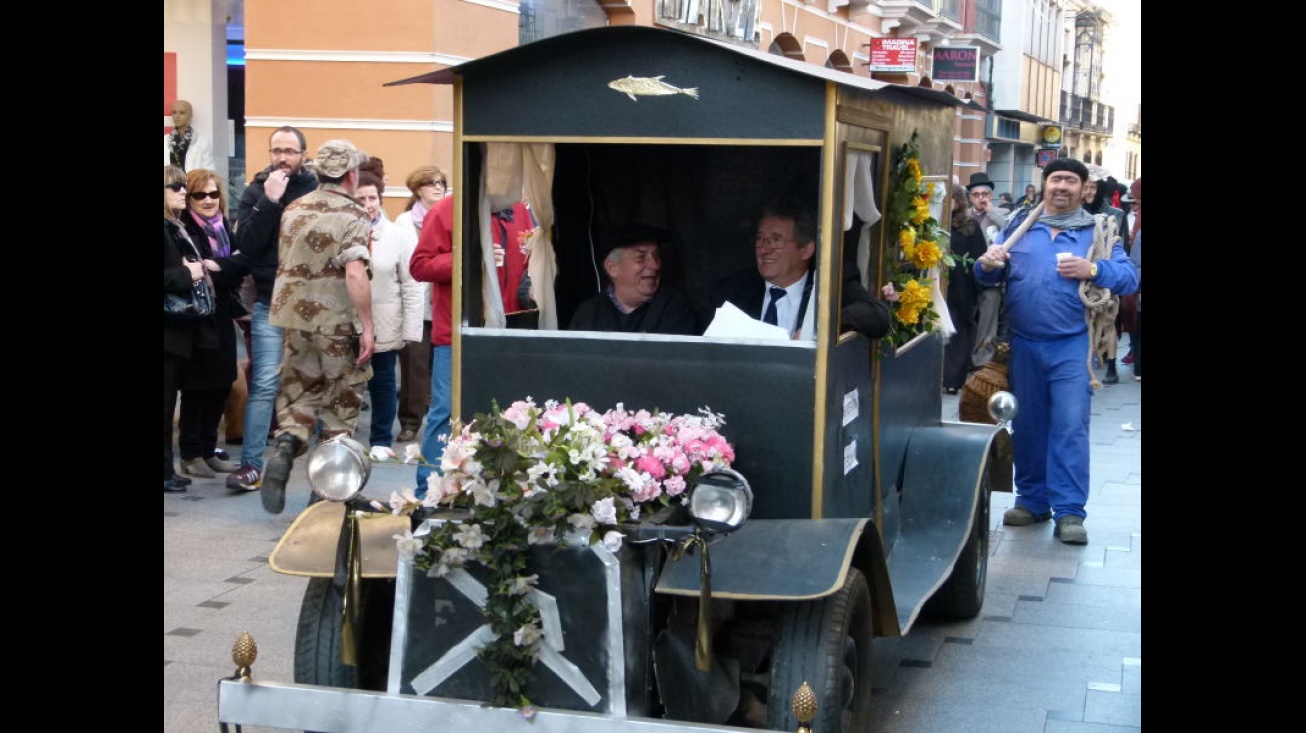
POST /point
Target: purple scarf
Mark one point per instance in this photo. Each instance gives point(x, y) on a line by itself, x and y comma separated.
point(419, 213)
point(219, 242)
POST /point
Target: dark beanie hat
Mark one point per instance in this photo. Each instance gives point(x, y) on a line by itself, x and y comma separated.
point(1066, 164)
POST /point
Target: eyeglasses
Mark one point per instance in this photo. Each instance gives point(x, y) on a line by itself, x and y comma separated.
point(175, 187)
point(284, 151)
point(981, 194)
point(201, 195)
point(772, 241)
point(437, 184)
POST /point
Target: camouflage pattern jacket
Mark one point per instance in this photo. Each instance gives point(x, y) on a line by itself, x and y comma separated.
point(320, 233)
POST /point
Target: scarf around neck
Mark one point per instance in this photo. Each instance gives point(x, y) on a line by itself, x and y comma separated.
point(214, 229)
point(180, 143)
point(419, 213)
point(1077, 219)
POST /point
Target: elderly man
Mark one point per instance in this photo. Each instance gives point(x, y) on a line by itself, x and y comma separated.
point(322, 300)
point(634, 300)
point(780, 290)
point(1045, 270)
point(990, 220)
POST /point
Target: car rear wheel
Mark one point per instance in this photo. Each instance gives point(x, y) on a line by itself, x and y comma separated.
point(827, 644)
point(962, 595)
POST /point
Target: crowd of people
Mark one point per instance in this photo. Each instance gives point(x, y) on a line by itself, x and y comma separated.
point(346, 301)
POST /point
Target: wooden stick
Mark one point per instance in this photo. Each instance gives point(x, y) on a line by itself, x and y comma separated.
point(1034, 213)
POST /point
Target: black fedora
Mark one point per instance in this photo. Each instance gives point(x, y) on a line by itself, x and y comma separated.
point(980, 179)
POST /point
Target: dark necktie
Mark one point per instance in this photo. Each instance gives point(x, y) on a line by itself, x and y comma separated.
point(770, 317)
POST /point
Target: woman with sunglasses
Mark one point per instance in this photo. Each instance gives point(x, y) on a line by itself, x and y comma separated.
point(206, 378)
point(427, 184)
point(182, 265)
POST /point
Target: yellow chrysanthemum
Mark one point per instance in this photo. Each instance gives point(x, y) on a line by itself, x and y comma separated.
point(914, 295)
point(921, 213)
point(907, 316)
point(914, 167)
point(907, 237)
point(926, 254)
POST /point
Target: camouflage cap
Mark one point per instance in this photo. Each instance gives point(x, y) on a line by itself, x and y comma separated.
point(337, 157)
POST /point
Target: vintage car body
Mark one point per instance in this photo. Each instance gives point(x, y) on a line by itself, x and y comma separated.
point(868, 507)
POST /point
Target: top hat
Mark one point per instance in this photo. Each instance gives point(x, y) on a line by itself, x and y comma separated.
point(980, 179)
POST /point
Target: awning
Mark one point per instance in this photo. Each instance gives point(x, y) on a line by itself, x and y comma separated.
point(1018, 114)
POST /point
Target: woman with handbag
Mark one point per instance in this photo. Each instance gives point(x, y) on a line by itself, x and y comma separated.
point(207, 376)
point(184, 329)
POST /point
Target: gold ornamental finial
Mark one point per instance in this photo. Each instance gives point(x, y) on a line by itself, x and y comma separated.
point(804, 706)
point(243, 653)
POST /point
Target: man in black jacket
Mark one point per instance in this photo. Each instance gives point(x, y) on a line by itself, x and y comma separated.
point(779, 289)
point(257, 232)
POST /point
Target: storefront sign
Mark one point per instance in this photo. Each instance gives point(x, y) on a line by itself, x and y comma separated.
point(893, 55)
point(956, 63)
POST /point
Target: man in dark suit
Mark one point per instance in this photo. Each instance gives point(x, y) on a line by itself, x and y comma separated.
point(635, 301)
point(780, 290)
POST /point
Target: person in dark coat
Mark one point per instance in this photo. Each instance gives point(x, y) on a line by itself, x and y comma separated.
point(963, 293)
point(779, 289)
point(634, 300)
point(182, 265)
point(207, 376)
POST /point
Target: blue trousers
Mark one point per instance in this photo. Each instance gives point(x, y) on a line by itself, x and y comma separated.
point(384, 391)
point(265, 362)
point(436, 427)
point(1051, 383)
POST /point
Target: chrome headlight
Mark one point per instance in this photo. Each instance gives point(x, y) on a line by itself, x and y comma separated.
point(338, 468)
point(1002, 407)
point(721, 500)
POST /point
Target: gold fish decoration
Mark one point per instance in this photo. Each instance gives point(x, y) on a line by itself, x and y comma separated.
point(644, 86)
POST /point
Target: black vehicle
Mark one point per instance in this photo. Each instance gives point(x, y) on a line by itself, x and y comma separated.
point(867, 509)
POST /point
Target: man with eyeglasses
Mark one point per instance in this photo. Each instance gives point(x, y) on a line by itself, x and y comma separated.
point(780, 289)
point(257, 231)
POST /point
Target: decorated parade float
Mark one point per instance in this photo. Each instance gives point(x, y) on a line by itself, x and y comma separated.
point(642, 531)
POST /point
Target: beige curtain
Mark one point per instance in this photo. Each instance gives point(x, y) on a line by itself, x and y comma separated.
point(515, 172)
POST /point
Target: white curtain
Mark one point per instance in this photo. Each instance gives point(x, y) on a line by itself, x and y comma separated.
point(516, 172)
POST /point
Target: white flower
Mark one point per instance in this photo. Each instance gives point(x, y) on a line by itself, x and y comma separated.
point(527, 635)
point(403, 501)
point(540, 536)
point(581, 521)
point(482, 493)
point(408, 545)
point(522, 584)
point(612, 541)
point(381, 453)
point(604, 512)
point(412, 453)
point(470, 536)
point(546, 470)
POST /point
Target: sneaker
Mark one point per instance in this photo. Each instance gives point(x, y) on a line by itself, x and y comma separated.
point(1019, 516)
point(173, 485)
point(220, 465)
point(1128, 360)
point(197, 467)
point(245, 478)
point(1070, 530)
point(277, 473)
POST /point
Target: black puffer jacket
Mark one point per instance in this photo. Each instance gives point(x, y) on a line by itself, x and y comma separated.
point(258, 228)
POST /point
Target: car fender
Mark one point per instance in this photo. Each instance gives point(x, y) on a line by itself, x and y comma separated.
point(308, 548)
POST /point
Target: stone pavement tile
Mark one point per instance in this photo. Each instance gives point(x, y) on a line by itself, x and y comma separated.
point(1116, 577)
point(993, 716)
point(1070, 726)
point(965, 676)
point(1124, 557)
point(1078, 616)
point(1132, 676)
point(1114, 708)
point(1065, 642)
point(1117, 493)
point(1095, 595)
point(182, 713)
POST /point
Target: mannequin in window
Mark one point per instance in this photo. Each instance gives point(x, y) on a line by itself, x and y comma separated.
point(184, 147)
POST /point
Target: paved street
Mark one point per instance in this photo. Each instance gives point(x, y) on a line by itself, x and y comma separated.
point(1057, 647)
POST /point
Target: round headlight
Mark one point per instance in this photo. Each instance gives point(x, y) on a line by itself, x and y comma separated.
point(1002, 406)
point(721, 500)
point(339, 468)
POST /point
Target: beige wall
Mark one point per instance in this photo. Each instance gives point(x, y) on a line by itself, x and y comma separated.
point(196, 31)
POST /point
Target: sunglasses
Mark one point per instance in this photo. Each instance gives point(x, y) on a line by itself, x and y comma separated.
point(177, 187)
point(201, 195)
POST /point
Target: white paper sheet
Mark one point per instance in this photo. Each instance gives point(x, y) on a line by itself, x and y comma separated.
point(730, 322)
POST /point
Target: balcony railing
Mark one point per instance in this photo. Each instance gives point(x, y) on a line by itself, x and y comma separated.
point(1087, 114)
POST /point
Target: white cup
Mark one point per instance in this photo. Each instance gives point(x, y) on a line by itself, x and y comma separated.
point(1063, 255)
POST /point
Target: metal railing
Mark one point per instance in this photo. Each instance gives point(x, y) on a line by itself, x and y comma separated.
point(1087, 114)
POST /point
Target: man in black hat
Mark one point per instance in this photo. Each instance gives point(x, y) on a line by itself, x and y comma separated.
point(634, 300)
point(990, 220)
point(1060, 256)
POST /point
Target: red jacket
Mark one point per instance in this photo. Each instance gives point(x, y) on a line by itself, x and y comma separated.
point(514, 260)
point(432, 262)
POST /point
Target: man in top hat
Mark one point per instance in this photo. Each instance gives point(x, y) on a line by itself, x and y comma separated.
point(322, 299)
point(990, 220)
point(635, 300)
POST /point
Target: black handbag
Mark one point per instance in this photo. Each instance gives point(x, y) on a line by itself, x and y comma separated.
point(200, 303)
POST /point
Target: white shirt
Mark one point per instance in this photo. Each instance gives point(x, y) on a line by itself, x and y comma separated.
point(198, 155)
point(786, 308)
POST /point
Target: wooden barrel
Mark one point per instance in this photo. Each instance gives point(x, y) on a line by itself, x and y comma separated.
point(973, 405)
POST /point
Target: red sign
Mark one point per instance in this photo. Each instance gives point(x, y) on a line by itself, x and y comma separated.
point(893, 55)
point(169, 86)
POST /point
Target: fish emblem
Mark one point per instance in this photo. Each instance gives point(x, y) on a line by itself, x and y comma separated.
point(644, 86)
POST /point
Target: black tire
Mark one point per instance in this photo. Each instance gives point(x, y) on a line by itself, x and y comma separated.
point(826, 643)
point(962, 595)
point(317, 637)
